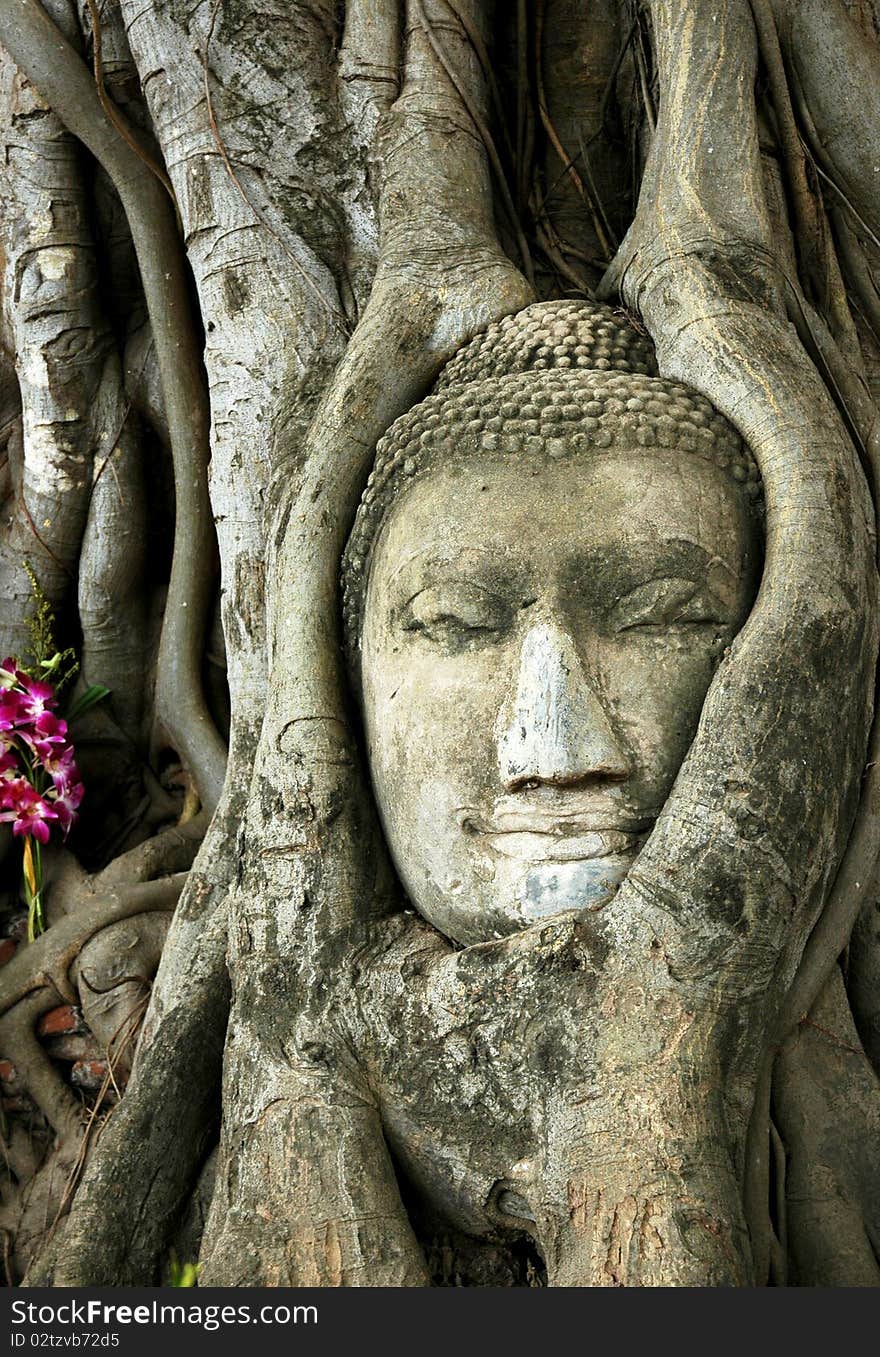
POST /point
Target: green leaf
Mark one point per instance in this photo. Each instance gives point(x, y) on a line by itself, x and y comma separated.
point(94, 693)
point(182, 1274)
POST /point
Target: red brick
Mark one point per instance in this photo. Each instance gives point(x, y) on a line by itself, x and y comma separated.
point(89, 1074)
point(60, 1020)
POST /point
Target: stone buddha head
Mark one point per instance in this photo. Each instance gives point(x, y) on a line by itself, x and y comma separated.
point(550, 558)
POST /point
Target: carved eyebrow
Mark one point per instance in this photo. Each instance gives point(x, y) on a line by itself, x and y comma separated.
point(451, 582)
point(600, 577)
point(477, 566)
point(686, 547)
point(428, 557)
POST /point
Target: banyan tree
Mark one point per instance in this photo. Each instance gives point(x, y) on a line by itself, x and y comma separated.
point(449, 431)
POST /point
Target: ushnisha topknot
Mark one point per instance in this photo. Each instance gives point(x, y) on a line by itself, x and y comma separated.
point(556, 380)
point(564, 335)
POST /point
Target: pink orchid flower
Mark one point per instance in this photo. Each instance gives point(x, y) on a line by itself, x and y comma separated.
point(39, 780)
point(46, 732)
point(26, 809)
point(11, 709)
point(66, 801)
point(61, 766)
point(38, 697)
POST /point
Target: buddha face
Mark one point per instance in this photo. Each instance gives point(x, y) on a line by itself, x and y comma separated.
point(538, 642)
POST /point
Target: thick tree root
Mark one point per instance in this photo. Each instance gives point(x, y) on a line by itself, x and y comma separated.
point(58, 72)
point(46, 962)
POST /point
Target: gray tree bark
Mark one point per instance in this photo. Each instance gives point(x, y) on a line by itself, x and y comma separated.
point(243, 243)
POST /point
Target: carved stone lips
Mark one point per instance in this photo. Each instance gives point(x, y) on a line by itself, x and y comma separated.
point(568, 847)
point(533, 837)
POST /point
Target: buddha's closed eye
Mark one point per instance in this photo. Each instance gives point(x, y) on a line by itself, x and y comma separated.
point(455, 609)
point(462, 612)
point(662, 604)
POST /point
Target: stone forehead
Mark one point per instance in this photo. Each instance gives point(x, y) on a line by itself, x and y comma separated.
point(532, 386)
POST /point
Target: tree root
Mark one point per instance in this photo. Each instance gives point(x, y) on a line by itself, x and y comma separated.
point(678, 267)
point(45, 963)
point(61, 76)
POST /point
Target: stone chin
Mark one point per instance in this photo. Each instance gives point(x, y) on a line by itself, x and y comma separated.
point(525, 893)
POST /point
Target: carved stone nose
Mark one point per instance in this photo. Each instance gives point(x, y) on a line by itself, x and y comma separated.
point(554, 728)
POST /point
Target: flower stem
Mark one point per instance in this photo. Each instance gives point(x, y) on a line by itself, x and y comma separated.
point(32, 868)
